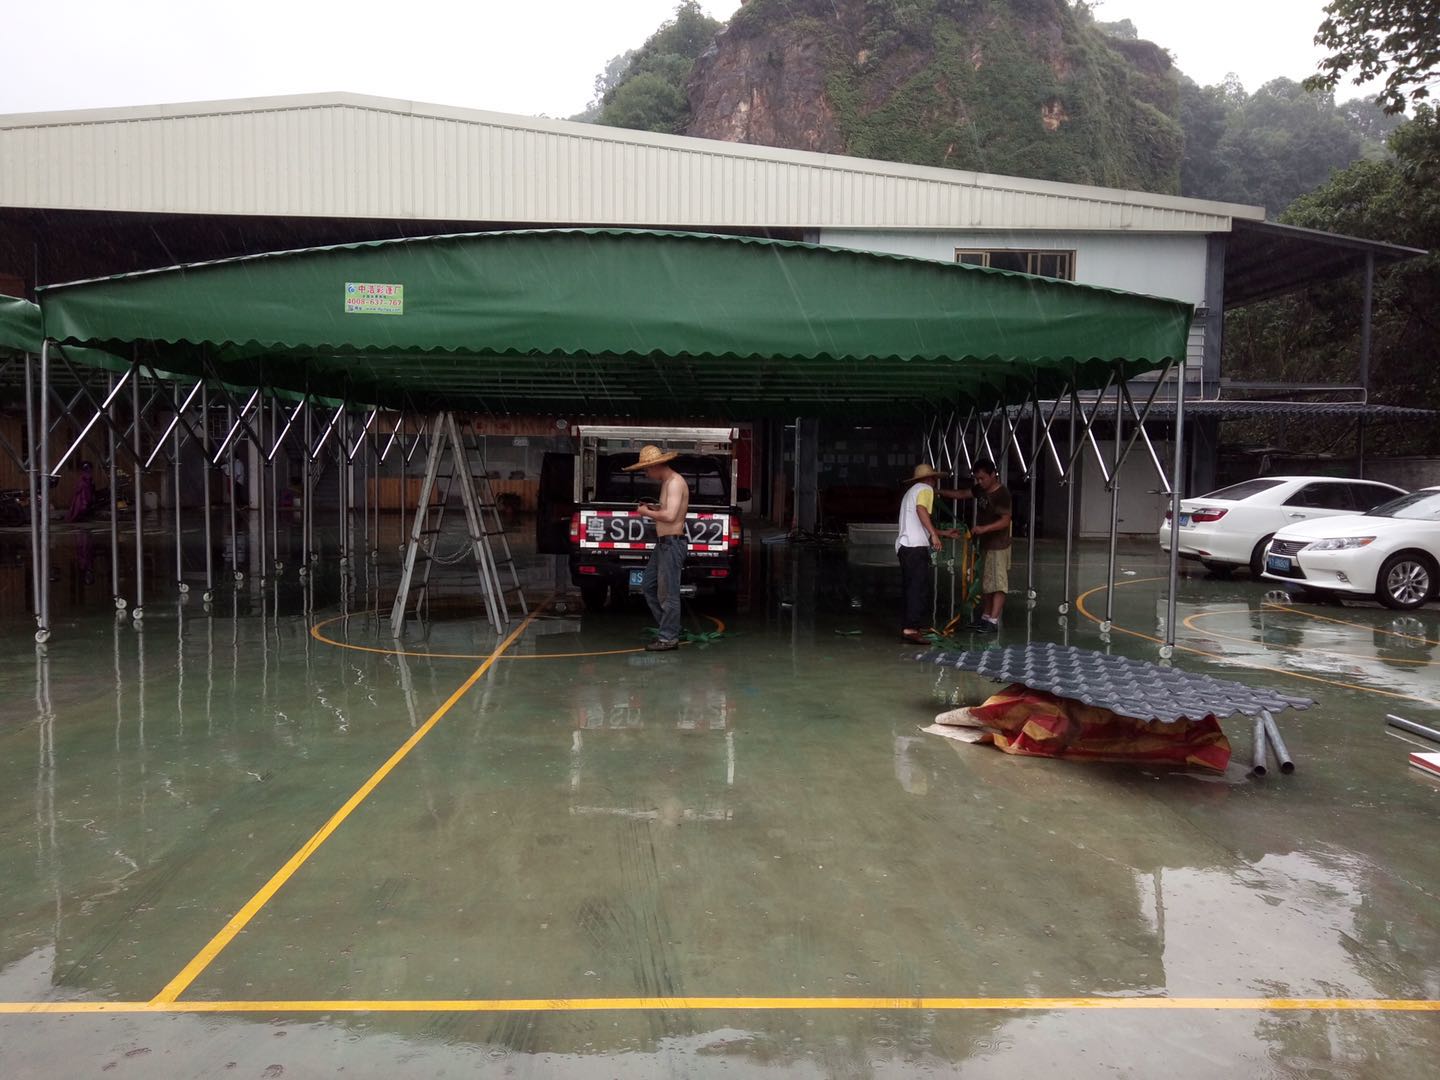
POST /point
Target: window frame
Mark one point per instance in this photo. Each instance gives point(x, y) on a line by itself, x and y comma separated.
point(1341, 486)
point(1030, 253)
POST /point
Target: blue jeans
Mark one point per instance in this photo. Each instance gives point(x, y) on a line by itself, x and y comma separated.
point(662, 584)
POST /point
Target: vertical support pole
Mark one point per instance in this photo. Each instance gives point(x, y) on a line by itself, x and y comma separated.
point(365, 490)
point(180, 585)
point(275, 558)
point(205, 495)
point(1067, 477)
point(256, 490)
point(41, 506)
point(1114, 501)
point(31, 481)
point(236, 574)
point(1177, 486)
point(137, 612)
point(1366, 314)
point(405, 477)
point(307, 497)
point(1034, 473)
point(114, 502)
point(342, 464)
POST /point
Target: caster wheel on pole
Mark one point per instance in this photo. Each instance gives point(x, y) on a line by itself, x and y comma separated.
point(1106, 626)
point(206, 597)
point(1064, 609)
point(138, 614)
point(1167, 651)
point(239, 577)
point(304, 573)
point(120, 603)
point(183, 588)
point(42, 636)
point(279, 566)
point(1031, 594)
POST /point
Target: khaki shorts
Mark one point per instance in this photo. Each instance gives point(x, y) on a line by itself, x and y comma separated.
point(995, 575)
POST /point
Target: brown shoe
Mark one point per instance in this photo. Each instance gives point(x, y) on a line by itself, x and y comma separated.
point(662, 646)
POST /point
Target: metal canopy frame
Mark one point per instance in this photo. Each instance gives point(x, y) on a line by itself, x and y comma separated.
point(947, 436)
point(855, 354)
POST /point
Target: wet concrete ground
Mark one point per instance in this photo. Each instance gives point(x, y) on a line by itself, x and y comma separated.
point(758, 818)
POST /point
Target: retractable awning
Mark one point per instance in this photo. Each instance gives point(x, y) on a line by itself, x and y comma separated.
point(622, 322)
point(19, 325)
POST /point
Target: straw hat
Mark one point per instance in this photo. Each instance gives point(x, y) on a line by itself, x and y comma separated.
point(651, 455)
point(924, 472)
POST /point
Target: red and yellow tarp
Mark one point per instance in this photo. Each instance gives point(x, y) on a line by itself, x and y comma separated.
point(1039, 724)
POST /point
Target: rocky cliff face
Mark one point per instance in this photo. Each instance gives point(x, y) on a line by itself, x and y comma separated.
point(1023, 87)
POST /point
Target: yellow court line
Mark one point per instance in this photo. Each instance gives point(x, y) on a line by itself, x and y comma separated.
point(318, 636)
point(1080, 607)
point(769, 1004)
point(1351, 622)
point(177, 986)
point(1190, 621)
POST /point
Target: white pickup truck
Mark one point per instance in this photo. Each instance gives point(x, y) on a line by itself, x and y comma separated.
point(589, 495)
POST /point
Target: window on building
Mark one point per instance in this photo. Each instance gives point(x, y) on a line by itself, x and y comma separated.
point(1052, 264)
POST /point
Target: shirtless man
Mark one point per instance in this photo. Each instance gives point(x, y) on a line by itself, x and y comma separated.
point(662, 572)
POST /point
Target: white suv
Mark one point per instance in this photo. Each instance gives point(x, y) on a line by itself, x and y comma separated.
point(1230, 527)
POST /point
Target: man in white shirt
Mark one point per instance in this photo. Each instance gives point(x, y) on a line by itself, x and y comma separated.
point(918, 537)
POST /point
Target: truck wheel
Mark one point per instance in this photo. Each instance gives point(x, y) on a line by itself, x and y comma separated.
point(594, 596)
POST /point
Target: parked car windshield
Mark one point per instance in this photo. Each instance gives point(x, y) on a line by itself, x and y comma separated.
point(1236, 492)
point(1417, 506)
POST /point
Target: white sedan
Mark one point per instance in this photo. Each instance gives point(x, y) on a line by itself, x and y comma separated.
point(1391, 553)
point(1230, 527)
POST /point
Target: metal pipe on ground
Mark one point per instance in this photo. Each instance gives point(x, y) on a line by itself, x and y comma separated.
point(1277, 744)
point(1412, 727)
point(1257, 755)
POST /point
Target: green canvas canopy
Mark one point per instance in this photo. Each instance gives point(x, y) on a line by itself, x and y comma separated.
point(622, 322)
point(19, 326)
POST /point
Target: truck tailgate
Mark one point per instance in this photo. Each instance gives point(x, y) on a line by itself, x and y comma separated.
point(706, 531)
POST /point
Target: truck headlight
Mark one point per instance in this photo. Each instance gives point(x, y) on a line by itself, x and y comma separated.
point(1341, 543)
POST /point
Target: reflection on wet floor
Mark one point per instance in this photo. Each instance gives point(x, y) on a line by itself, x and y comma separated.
point(755, 817)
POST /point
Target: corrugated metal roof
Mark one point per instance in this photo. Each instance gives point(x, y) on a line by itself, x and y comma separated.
point(349, 155)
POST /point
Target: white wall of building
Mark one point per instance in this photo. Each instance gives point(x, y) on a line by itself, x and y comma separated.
point(1168, 265)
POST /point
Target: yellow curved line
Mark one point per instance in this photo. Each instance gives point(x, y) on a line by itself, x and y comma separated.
point(1080, 607)
point(772, 1004)
point(1190, 621)
point(318, 636)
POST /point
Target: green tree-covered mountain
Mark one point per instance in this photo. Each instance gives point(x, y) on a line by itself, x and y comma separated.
point(1024, 87)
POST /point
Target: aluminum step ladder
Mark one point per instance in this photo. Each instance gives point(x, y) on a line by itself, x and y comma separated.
point(447, 447)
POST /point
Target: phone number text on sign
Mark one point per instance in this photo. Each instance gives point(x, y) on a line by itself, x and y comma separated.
point(373, 298)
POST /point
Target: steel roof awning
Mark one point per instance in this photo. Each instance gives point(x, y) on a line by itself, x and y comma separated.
point(622, 322)
point(1264, 259)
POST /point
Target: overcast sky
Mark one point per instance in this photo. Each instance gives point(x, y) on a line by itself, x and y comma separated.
point(530, 57)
